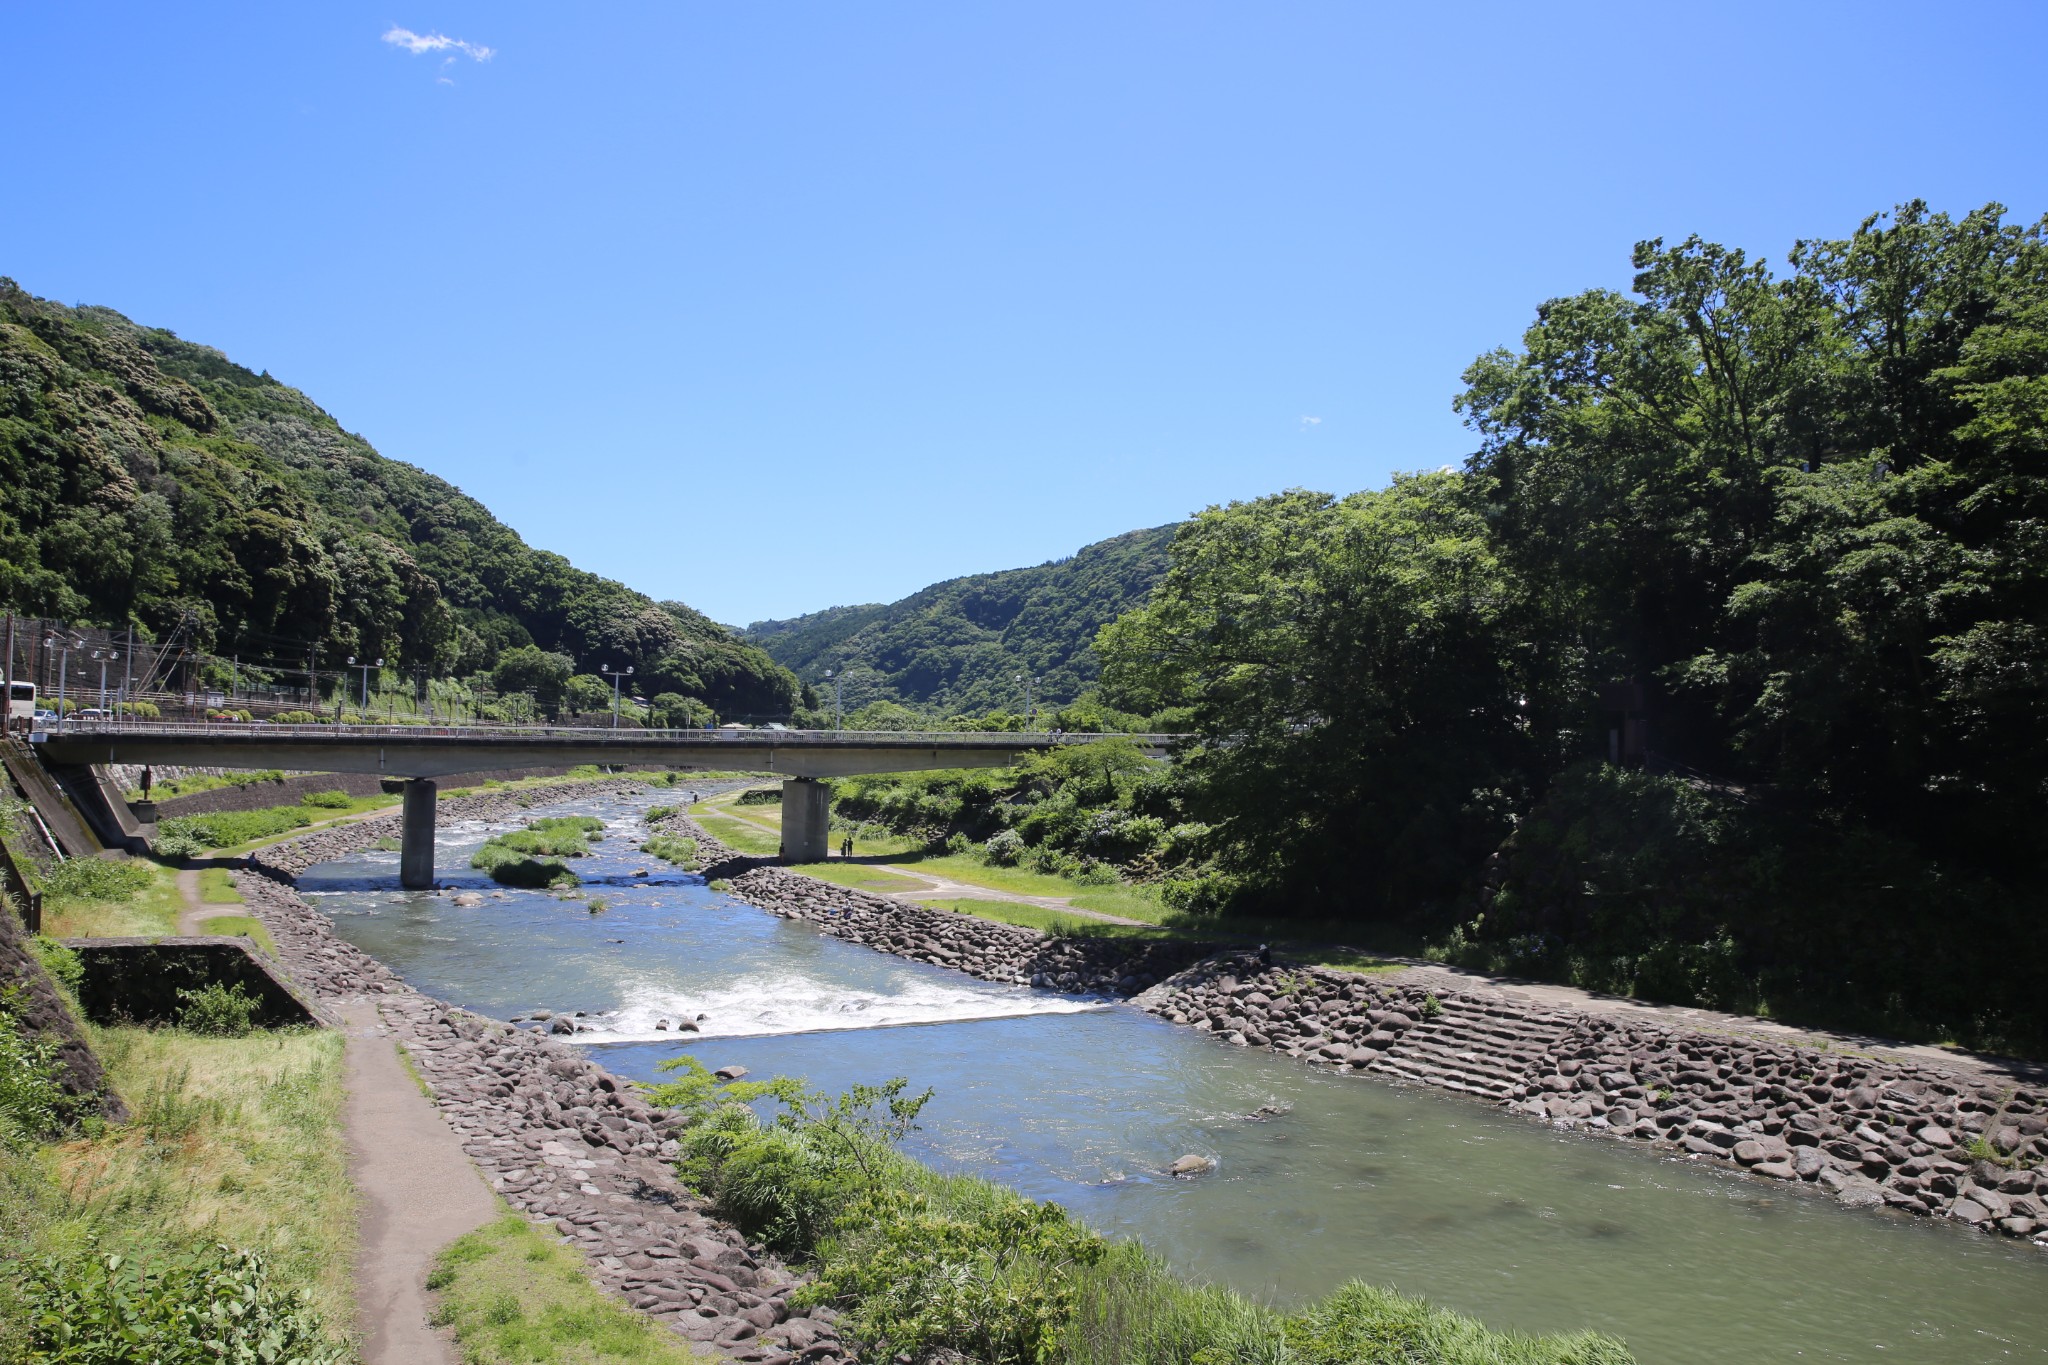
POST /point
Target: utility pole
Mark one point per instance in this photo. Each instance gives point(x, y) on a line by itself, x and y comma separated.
point(128, 667)
point(7, 676)
point(1030, 707)
point(838, 722)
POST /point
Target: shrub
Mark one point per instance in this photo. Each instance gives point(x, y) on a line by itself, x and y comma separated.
point(218, 1011)
point(140, 710)
point(760, 796)
point(1004, 848)
point(216, 1305)
point(327, 800)
point(656, 814)
point(177, 841)
point(296, 718)
point(97, 879)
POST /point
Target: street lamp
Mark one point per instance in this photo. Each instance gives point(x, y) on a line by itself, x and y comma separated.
point(832, 676)
point(366, 667)
point(105, 656)
point(615, 675)
point(63, 645)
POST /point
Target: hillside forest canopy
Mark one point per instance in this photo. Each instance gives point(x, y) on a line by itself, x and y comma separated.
point(961, 648)
point(149, 481)
point(1715, 674)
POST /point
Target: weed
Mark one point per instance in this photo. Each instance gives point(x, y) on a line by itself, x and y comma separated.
point(328, 800)
point(97, 879)
point(218, 1011)
point(1431, 1006)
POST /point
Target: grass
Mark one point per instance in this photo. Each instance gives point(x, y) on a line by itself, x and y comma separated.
point(151, 912)
point(1131, 902)
point(1057, 922)
point(234, 1139)
point(512, 1294)
point(859, 876)
point(241, 926)
point(217, 887)
point(742, 836)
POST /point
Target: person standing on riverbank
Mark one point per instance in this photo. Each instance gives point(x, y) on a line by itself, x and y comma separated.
point(846, 847)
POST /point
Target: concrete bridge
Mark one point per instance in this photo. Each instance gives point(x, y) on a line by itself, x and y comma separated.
point(418, 754)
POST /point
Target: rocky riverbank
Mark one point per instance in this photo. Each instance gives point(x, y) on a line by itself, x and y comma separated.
point(1866, 1130)
point(1870, 1132)
point(979, 947)
point(565, 1142)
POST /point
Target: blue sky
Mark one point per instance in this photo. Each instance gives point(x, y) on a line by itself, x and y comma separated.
point(771, 307)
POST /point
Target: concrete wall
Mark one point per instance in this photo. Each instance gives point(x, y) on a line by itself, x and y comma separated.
point(138, 980)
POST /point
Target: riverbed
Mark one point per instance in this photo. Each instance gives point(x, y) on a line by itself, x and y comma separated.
point(1085, 1102)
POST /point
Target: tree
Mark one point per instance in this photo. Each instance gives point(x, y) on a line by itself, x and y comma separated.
point(530, 668)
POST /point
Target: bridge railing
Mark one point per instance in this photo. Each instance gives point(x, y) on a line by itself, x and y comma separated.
point(599, 735)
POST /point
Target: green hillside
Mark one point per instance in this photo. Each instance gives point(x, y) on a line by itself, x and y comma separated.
point(147, 480)
point(959, 645)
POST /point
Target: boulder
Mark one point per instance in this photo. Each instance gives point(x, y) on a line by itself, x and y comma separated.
point(1190, 1166)
point(730, 1073)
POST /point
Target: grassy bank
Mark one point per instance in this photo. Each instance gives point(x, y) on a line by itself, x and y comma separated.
point(928, 1266)
point(511, 1294)
point(96, 898)
point(235, 1151)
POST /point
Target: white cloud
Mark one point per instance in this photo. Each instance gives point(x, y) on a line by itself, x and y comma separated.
point(418, 43)
point(1311, 423)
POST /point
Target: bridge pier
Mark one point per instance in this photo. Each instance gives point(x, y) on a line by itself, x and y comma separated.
point(416, 835)
point(806, 819)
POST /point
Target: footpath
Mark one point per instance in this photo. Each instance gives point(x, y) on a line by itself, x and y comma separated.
point(517, 1115)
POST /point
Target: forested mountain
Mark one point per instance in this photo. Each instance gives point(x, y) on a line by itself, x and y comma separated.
point(959, 645)
point(145, 479)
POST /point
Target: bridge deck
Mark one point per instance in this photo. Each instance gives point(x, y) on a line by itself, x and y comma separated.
point(437, 751)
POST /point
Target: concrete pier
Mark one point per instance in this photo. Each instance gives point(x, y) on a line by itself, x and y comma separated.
point(416, 850)
point(806, 820)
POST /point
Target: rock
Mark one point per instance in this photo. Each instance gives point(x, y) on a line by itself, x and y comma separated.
point(729, 1073)
point(1934, 1135)
point(561, 1024)
point(1190, 1166)
point(661, 1025)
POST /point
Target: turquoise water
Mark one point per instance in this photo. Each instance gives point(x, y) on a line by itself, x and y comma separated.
point(1085, 1103)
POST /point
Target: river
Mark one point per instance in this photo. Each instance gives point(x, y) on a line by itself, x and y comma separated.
point(1085, 1102)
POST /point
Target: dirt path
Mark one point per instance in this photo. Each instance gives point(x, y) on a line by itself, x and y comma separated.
point(419, 1192)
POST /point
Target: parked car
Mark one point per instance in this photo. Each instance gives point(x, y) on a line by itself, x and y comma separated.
point(95, 713)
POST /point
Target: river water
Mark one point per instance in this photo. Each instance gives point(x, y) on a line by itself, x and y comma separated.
point(1085, 1102)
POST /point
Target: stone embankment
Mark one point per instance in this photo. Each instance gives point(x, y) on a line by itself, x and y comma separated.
point(979, 947)
point(1868, 1131)
point(565, 1142)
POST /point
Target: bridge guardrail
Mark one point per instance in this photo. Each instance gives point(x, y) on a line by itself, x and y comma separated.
point(269, 730)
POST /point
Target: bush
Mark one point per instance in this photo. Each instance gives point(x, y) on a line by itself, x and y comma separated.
point(656, 814)
point(177, 841)
point(328, 800)
point(204, 1308)
point(1004, 848)
point(97, 879)
point(218, 1011)
point(760, 796)
point(140, 710)
point(296, 718)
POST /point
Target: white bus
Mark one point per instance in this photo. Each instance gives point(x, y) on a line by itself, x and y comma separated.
point(21, 706)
